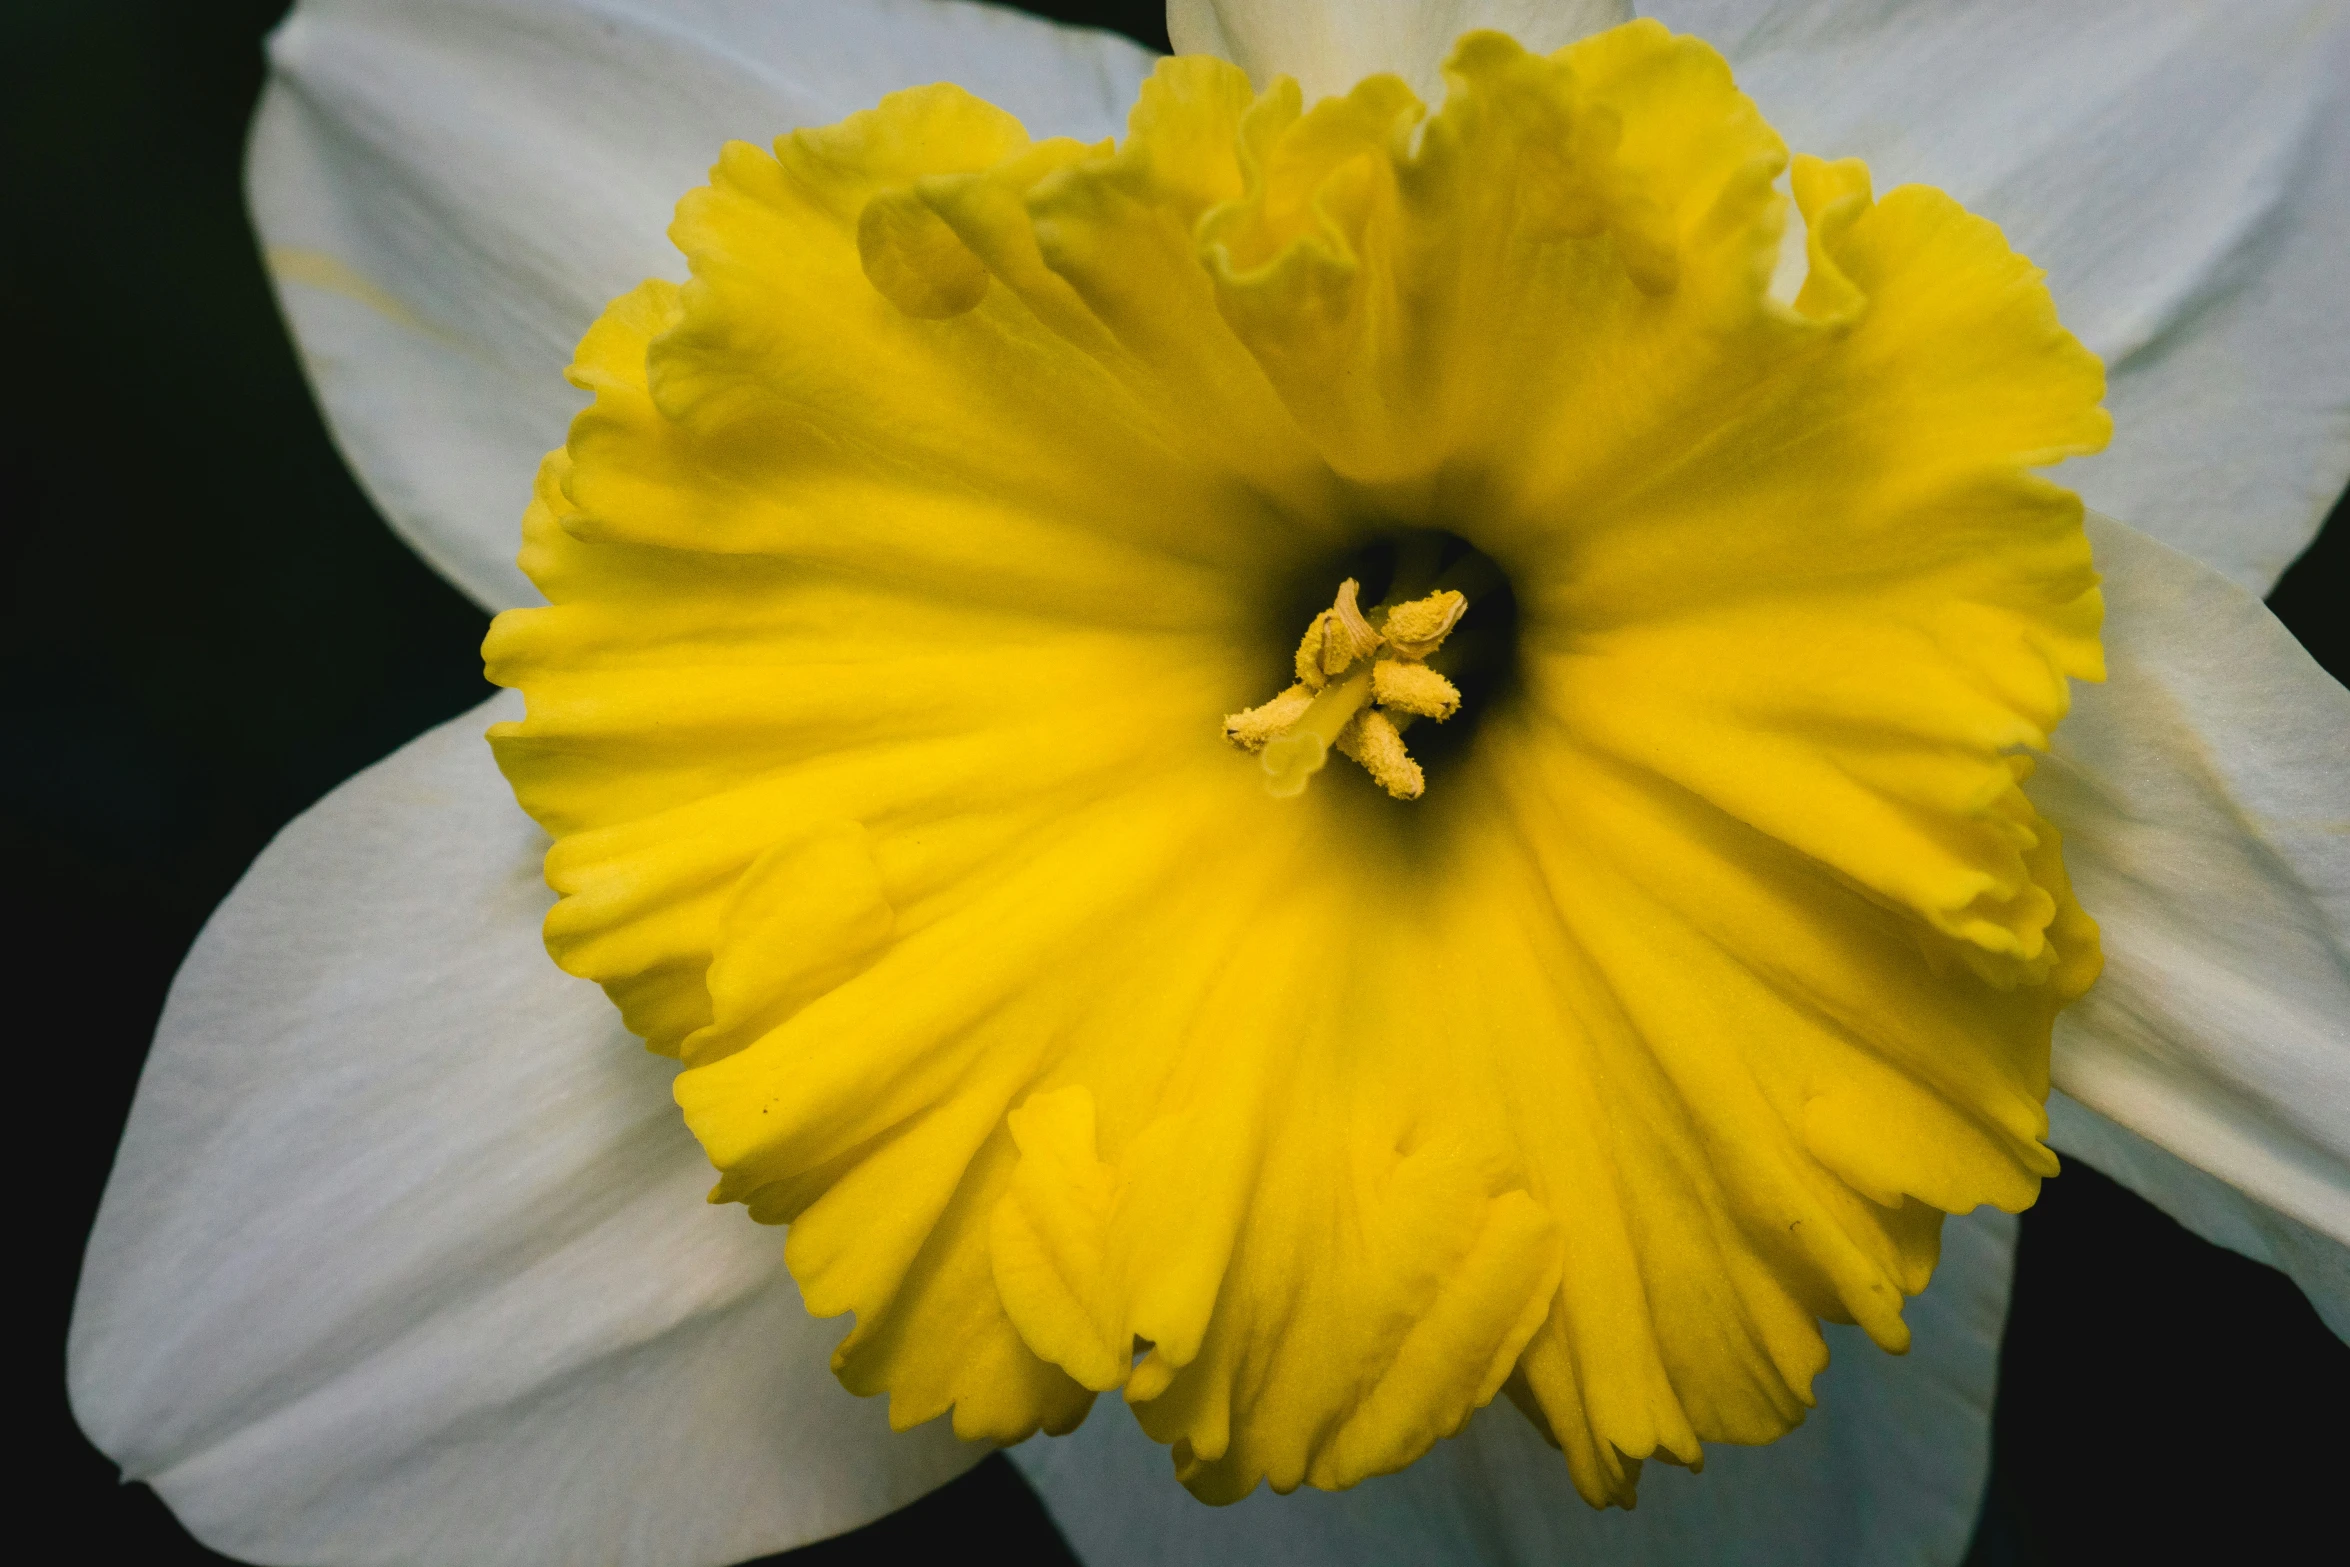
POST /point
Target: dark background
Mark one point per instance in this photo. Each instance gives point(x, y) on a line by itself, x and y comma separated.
point(208, 628)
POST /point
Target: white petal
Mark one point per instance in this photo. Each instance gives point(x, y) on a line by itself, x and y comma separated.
point(1329, 45)
point(405, 1257)
point(1889, 1468)
point(2182, 171)
point(2211, 1208)
point(2204, 796)
point(450, 190)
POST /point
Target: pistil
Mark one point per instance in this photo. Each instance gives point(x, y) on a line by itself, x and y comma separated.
point(1292, 757)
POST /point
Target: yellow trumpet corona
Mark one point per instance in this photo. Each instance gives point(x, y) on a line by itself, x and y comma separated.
point(907, 554)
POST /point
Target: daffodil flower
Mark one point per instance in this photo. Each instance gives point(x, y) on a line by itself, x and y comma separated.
point(956, 592)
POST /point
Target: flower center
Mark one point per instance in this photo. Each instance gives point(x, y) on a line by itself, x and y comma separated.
point(1365, 676)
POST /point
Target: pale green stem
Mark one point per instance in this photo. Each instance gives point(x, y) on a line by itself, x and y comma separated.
point(1292, 757)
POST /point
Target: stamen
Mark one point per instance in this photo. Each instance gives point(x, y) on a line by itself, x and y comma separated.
point(1336, 638)
point(1251, 729)
point(1374, 741)
point(1419, 628)
point(1349, 674)
point(1413, 688)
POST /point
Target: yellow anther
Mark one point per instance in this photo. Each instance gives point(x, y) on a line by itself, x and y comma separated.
point(1250, 730)
point(1409, 688)
point(1349, 672)
point(1337, 637)
point(1374, 741)
point(1419, 628)
point(1349, 631)
point(1309, 654)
